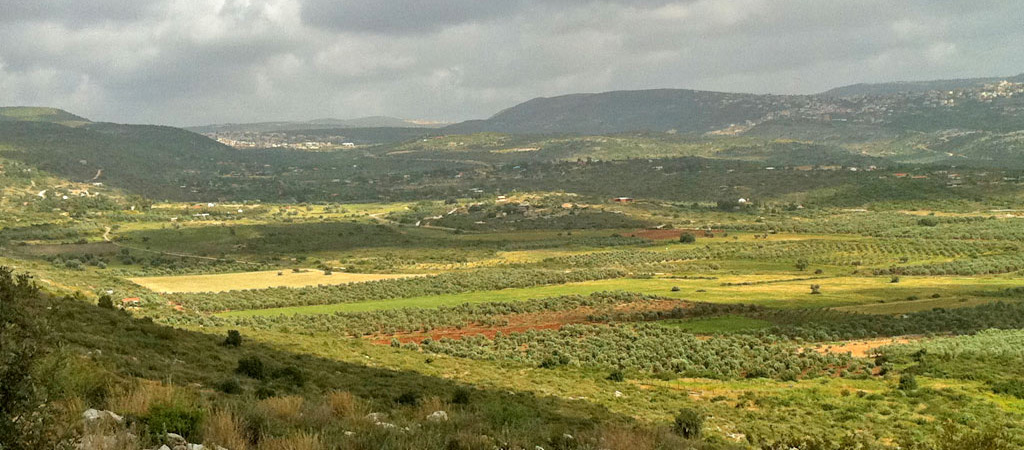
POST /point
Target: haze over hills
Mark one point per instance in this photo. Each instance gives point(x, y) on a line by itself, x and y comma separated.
point(316, 124)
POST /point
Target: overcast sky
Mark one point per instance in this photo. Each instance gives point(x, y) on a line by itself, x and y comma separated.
point(189, 62)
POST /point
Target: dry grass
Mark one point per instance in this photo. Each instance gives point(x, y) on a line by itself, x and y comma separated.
point(287, 409)
point(620, 438)
point(346, 405)
point(224, 429)
point(255, 280)
point(138, 398)
point(298, 441)
point(431, 404)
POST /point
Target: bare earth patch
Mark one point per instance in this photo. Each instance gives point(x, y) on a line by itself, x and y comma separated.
point(862, 348)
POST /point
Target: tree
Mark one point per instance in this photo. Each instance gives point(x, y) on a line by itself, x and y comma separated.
point(907, 382)
point(802, 264)
point(687, 238)
point(815, 289)
point(105, 302)
point(25, 416)
point(689, 423)
point(234, 339)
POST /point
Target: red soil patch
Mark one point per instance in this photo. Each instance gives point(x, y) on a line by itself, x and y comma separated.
point(671, 233)
point(518, 323)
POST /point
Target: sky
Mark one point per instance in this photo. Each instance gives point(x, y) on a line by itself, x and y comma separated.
point(192, 62)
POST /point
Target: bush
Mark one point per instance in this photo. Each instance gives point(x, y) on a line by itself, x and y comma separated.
point(461, 396)
point(617, 376)
point(230, 386)
point(689, 423)
point(252, 367)
point(291, 375)
point(105, 302)
point(687, 238)
point(1011, 387)
point(163, 418)
point(234, 339)
point(408, 398)
point(928, 222)
point(907, 382)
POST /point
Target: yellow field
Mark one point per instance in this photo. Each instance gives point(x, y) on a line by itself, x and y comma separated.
point(254, 280)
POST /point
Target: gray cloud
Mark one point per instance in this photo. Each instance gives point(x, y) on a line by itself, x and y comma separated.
point(182, 63)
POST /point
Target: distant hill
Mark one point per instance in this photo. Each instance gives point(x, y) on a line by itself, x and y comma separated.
point(905, 87)
point(660, 110)
point(141, 158)
point(978, 104)
point(40, 114)
point(316, 124)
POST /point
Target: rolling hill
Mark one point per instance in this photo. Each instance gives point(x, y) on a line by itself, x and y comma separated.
point(977, 104)
point(40, 114)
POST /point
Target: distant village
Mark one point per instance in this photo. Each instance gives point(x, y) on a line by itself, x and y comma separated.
point(253, 140)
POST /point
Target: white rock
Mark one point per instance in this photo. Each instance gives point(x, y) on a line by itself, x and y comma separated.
point(195, 447)
point(618, 394)
point(92, 414)
point(438, 416)
point(175, 439)
point(350, 433)
point(114, 416)
point(375, 417)
point(164, 447)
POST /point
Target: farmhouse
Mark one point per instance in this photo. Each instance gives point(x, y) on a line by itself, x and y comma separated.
point(622, 199)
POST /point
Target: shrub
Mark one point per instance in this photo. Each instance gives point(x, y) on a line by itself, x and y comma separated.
point(461, 396)
point(252, 367)
point(801, 264)
point(105, 302)
point(687, 238)
point(675, 289)
point(408, 398)
point(234, 339)
point(230, 386)
point(907, 382)
point(165, 418)
point(928, 222)
point(291, 375)
point(688, 423)
point(1012, 387)
point(617, 376)
point(264, 392)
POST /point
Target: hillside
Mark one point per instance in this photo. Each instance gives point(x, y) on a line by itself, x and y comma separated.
point(40, 114)
point(141, 158)
point(903, 87)
point(618, 111)
point(982, 104)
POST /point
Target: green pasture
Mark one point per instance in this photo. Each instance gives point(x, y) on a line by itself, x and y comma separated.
point(778, 291)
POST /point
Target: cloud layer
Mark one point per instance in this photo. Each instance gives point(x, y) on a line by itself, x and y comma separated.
point(187, 62)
